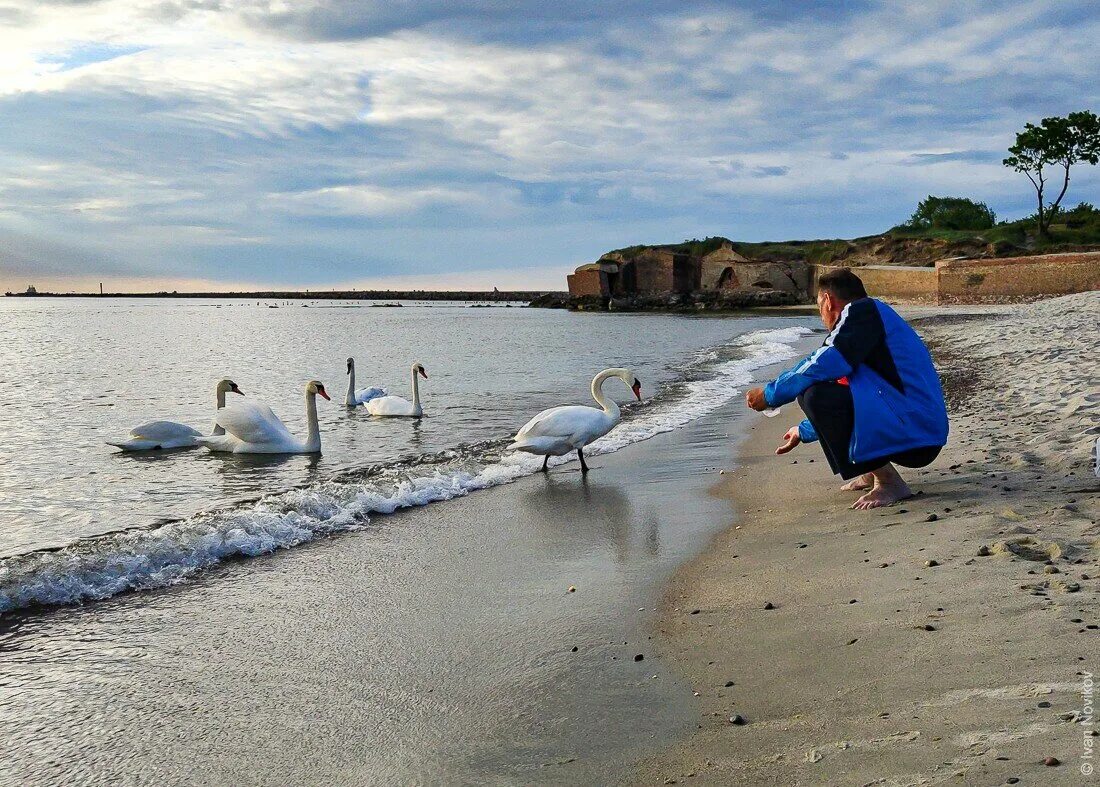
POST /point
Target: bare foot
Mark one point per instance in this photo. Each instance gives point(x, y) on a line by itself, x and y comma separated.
point(889, 488)
point(883, 495)
point(865, 481)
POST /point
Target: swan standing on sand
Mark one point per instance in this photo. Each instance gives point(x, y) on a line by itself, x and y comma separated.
point(395, 406)
point(251, 428)
point(355, 398)
point(162, 435)
point(559, 430)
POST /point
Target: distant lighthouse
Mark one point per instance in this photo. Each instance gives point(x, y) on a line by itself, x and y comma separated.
point(101, 288)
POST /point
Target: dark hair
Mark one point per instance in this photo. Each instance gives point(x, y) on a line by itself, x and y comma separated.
point(843, 284)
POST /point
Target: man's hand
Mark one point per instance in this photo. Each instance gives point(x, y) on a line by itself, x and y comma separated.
point(754, 398)
point(790, 440)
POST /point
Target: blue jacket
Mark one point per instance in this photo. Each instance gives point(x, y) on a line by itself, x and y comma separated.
point(895, 389)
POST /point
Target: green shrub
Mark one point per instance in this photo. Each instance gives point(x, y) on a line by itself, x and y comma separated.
point(952, 213)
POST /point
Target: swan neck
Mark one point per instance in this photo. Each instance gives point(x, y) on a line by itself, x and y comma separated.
point(349, 398)
point(313, 433)
point(607, 405)
point(416, 389)
point(218, 428)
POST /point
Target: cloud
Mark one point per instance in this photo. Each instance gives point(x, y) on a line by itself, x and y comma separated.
point(328, 141)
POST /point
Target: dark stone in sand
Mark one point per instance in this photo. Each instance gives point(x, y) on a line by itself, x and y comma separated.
point(769, 605)
point(931, 518)
point(1012, 780)
point(574, 649)
point(737, 719)
point(696, 611)
point(639, 657)
point(1043, 705)
point(903, 510)
point(885, 565)
point(927, 627)
point(1076, 620)
point(1051, 762)
point(931, 563)
point(854, 601)
point(729, 683)
point(983, 551)
point(853, 641)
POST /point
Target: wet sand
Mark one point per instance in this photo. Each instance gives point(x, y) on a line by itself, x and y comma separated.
point(943, 640)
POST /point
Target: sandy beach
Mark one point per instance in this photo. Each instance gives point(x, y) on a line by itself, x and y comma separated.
point(947, 639)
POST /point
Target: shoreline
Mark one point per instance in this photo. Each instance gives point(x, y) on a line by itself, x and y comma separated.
point(942, 639)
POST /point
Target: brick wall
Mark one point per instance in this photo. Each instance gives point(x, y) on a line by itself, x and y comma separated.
point(989, 281)
point(981, 281)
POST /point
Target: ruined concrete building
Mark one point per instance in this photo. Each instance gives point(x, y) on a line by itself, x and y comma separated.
point(661, 270)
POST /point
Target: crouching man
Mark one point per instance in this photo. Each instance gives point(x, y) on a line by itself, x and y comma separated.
point(870, 394)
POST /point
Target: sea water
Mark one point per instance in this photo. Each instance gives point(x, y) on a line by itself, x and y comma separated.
point(84, 521)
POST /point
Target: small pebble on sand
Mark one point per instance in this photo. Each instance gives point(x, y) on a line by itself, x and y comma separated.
point(572, 589)
point(639, 657)
point(931, 518)
point(737, 719)
point(931, 563)
point(1051, 762)
point(769, 605)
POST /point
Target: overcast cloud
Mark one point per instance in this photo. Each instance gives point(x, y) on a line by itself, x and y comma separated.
point(218, 143)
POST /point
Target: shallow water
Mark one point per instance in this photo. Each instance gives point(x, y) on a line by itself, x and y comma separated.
point(428, 643)
point(77, 372)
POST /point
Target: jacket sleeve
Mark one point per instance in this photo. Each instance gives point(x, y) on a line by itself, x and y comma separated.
point(806, 431)
point(825, 363)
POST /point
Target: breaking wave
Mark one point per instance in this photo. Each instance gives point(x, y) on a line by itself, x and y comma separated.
point(145, 558)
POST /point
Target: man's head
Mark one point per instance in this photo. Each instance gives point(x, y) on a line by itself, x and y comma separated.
point(835, 290)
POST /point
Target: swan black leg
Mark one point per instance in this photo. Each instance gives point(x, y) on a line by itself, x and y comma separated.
point(580, 454)
point(545, 460)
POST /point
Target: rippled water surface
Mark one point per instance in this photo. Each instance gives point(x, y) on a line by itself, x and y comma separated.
point(75, 373)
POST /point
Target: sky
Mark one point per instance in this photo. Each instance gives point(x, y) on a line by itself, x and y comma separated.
point(228, 144)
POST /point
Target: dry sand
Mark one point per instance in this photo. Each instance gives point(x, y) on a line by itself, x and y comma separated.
point(942, 640)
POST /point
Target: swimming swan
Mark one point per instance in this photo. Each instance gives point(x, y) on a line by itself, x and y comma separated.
point(157, 435)
point(395, 405)
point(559, 430)
point(355, 398)
point(251, 428)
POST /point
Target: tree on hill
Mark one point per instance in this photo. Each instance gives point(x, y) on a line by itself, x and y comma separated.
point(1056, 141)
point(952, 213)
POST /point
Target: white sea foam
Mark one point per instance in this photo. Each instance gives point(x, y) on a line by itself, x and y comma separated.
point(147, 558)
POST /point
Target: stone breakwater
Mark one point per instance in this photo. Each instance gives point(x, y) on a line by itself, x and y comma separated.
point(721, 301)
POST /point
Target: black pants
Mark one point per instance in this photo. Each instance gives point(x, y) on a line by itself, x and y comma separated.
point(829, 408)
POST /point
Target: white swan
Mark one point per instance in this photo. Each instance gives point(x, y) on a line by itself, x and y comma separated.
point(355, 398)
point(251, 428)
point(559, 430)
point(157, 435)
point(395, 405)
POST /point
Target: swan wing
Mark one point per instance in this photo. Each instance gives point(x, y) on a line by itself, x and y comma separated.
point(164, 431)
point(252, 422)
point(389, 405)
point(364, 395)
point(577, 424)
